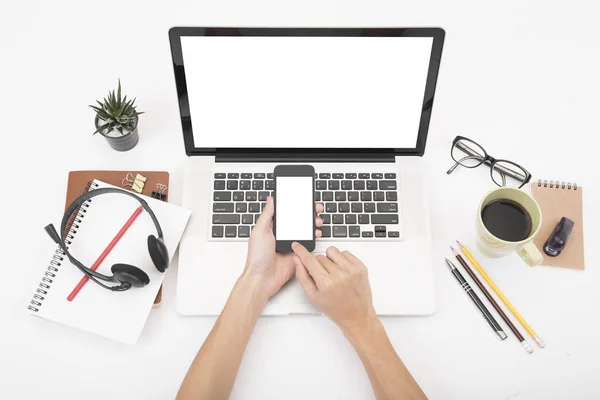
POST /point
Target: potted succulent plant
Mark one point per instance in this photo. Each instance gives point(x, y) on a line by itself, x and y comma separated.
point(117, 120)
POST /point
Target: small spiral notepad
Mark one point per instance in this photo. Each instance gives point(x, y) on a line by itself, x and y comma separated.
point(116, 315)
point(560, 199)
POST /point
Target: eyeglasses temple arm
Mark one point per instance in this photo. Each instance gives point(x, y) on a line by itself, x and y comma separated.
point(504, 170)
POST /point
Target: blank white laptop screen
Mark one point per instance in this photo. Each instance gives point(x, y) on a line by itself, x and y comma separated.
point(337, 92)
point(294, 208)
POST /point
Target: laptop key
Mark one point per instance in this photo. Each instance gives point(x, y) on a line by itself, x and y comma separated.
point(243, 231)
point(364, 176)
point(262, 206)
point(270, 185)
point(350, 175)
point(363, 219)
point(257, 185)
point(390, 176)
point(219, 185)
point(350, 219)
point(230, 231)
point(241, 207)
point(384, 218)
point(317, 196)
point(340, 231)
point(262, 196)
point(340, 196)
point(377, 175)
point(254, 207)
point(387, 185)
point(346, 185)
point(259, 175)
point(344, 207)
point(226, 219)
point(391, 196)
point(359, 185)
point(326, 218)
point(365, 196)
point(370, 207)
point(270, 175)
point(378, 196)
point(379, 234)
point(217, 231)
point(233, 176)
point(245, 185)
point(250, 196)
point(357, 207)
point(371, 185)
point(338, 219)
point(219, 175)
point(353, 196)
point(367, 234)
point(238, 196)
point(232, 185)
point(321, 185)
point(247, 176)
point(325, 231)
point(393, 234)
point(223, 207)
point(354, 231)
point(331, 207)
point(247, 219)
point(327, 196)
point(380, 228)
point(222, 196)
point(387, 207)
point(324, 176)
point(334, 185)
point(338, 176)
point(256, 217)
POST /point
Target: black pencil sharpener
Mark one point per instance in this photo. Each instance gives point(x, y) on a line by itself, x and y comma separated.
point(559, 237)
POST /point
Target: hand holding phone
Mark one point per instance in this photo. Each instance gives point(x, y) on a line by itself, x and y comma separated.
point(294, 207)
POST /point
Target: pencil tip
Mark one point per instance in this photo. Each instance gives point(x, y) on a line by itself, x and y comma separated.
point(459, 245)
point(452, 248)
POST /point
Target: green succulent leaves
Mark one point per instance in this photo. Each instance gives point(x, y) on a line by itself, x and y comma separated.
point(116, 113)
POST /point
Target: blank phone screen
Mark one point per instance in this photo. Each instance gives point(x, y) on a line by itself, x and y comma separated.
point(294, 208)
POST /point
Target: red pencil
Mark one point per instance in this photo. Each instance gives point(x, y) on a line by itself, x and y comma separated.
point(106, 251)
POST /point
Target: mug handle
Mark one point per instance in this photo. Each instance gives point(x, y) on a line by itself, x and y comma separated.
point(530, 254)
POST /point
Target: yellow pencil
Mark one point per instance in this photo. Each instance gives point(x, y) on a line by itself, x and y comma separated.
point(501, 295)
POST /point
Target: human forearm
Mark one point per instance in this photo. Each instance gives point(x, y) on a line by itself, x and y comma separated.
point(388, 375)
point(215, 367)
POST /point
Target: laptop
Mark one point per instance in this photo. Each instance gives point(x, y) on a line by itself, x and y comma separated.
point(353, 102)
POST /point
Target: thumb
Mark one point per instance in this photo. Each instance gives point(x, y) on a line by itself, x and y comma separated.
point(306, 281)
point(266, 218)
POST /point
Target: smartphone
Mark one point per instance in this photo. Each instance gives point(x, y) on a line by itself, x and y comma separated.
point(294, 219)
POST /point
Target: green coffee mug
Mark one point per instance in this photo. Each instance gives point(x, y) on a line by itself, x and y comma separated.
point(495, 247)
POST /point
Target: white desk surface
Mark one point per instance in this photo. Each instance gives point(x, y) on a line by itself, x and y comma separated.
point(519, 77)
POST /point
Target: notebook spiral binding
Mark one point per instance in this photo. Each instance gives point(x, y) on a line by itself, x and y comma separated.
point(59, 255)
point(557, 184)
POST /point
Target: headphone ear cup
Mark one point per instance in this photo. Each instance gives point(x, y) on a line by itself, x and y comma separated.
point(130, 274)
point(158, 253)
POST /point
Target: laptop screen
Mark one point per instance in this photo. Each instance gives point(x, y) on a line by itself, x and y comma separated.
point(306, 92)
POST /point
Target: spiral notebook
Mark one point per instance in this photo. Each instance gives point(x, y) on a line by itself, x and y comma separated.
point(116, 315)
point(557, 200)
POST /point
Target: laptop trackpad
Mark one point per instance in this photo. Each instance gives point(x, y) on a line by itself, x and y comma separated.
point(291, 292)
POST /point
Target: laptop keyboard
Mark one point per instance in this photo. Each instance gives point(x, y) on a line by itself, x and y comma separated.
point(357, 206)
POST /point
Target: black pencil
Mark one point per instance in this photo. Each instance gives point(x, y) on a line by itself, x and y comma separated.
point(487, 294)
point(486, 314)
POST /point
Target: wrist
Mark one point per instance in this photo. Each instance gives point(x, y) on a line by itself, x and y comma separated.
point(249, 286)
point(363, 328)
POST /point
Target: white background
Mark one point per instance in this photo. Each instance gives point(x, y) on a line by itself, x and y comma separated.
point(520, 77)
point(294, 211)
point(332, 92)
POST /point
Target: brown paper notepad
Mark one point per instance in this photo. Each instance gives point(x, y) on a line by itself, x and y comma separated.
point(79, 182)
point(557, 200)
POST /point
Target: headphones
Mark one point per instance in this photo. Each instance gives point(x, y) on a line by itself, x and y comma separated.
point(127, 276)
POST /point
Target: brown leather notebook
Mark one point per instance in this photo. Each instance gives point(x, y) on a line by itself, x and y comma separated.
point(79, 182)
point(557, 200)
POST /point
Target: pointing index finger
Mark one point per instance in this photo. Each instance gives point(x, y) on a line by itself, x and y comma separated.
point(313, 266)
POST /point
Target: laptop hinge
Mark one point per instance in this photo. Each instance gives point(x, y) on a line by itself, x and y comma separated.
point(295, 157)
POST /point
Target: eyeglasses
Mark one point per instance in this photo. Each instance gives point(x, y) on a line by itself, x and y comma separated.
point(470, 154)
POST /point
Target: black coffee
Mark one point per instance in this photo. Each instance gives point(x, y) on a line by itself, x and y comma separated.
point(506, 220)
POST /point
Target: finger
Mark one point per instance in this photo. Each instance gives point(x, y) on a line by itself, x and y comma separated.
point(351, 257)
point(315, 269)
point(335, 255)
point(318, 221)
point(306, 281)
point(319, 208)
point(318, 233)
point(266, 218)
point(326, 263)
